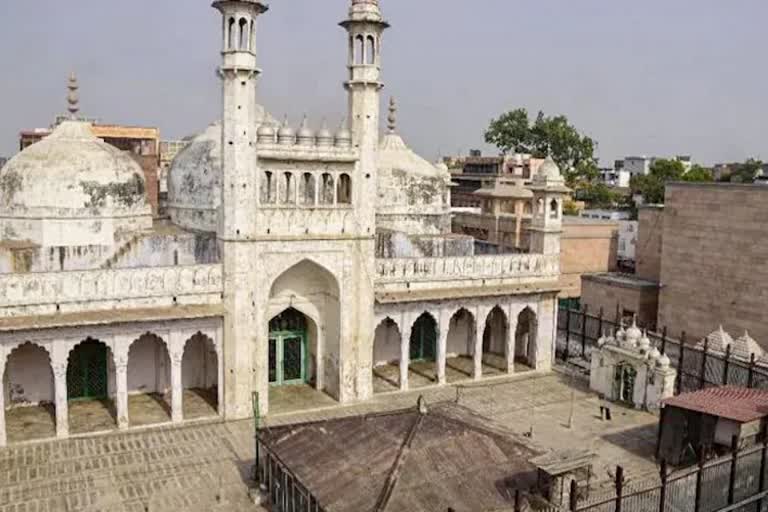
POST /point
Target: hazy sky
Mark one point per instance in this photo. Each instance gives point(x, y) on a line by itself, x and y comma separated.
point(641, 77)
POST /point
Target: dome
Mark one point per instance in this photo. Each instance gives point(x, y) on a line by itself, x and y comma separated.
point(654, 355)
point(266, 133)
point(194, 179)
point(663, 362)
point(633, 334)
point(343, 137)
point(305, 136)
point(718, 341)
point(644, 343)
point(549, 170)
point(324, 136)
point(286, 135)
point(69, 179)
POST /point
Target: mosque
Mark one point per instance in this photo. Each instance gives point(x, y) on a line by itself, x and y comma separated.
point(291, 259)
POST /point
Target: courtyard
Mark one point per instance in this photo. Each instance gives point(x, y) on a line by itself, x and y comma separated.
point(206, 465)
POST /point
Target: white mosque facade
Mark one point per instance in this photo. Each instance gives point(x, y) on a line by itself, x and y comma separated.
point(292, 257)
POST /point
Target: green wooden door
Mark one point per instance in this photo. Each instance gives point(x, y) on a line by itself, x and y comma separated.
point(288, 349)
point(87, 371)
point(423, 342)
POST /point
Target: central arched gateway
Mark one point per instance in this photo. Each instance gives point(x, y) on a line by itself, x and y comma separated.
point(304, 332)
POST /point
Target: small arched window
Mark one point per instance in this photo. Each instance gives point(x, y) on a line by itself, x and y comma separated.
point(252, 42)
point(307, 189)
point(360, 48)
point(540, 209)
point(267, 188)
point(288, 189)
point(344, 192)
point(243, 34)
point(554, 209)
point(370, 54)
point(351, 50)
point(231, 34)
point(326, 189)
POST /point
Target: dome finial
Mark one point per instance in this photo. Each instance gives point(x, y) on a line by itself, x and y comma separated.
point(392, 118)
point(73, 98)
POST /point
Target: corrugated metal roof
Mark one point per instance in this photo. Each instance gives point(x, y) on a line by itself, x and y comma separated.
point(739, 404)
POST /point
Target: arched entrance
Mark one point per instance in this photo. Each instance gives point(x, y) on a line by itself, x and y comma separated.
point(149, 381)
point(288, 349)
point(495, 342)
point(386, 356)
point(91, 387)
point(422, 350)
point(525, 339)
point(304, 337)
point(200, 377)
point(460, 346)
point(624, 380)
point(28, 394)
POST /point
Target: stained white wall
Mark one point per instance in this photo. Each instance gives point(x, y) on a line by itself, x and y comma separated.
point(461, 335)
point(495, 333)
point(386, 344)
point(149, 366)
point(28, 376)
point(199, 366)
point(525, 333)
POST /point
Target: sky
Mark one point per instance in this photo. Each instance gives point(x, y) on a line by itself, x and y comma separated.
point(657, 77)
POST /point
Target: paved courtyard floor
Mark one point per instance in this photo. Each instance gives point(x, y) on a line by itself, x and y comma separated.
point(205, 466)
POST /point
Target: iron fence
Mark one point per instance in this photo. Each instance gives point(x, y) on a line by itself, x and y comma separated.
point(730, 484)
point(697, 367)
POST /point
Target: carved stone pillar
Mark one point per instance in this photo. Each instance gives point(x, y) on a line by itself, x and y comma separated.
point(3, 437)
point(121, 397)
point(60, 392)
point(477, 355)
point(442, 350)
point(405, 357)
point(177, 389)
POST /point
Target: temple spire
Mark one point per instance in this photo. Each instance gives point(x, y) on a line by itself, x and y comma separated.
point(392, 118)
point(73, 98)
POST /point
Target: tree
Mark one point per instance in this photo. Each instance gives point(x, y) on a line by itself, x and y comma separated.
point(598, 195)
point(652, 186)
point(744, 173)
point(546, 136)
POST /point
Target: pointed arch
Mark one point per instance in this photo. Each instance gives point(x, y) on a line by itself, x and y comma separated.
point(370, 49)
point(386, 342)
point(525, 337)
point(200, 374)
point(423, 341)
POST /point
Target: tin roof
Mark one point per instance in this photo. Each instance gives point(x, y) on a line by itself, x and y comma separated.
point(739, 404)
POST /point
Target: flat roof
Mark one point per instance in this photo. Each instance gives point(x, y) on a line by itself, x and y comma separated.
point(620, 279)
point(476, 291)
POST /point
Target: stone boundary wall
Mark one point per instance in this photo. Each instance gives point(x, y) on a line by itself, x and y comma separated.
point(62, 292)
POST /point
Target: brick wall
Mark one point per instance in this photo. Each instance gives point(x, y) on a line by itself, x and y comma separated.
point(586, 248)
point(649, 242)
point(606, 293)
point(715, 260)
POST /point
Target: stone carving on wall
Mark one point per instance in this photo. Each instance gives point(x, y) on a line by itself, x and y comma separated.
point(103, 285)
point(481, 267)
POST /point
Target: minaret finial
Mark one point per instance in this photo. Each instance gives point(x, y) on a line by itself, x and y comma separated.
point(392, 119)
point(73, 98)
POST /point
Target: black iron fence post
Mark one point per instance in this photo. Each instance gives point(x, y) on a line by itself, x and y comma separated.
point(618, 316)
point(699, 480)
point(660, 432)
point(584, 333)
point(726, 365)
point(751, 375)
point(734, 461)
point(663, 491)
point(763, 468)
point(680, 361)
point(574, 497)
point(703, 368)
point(664, 340)
point(600, 322)
point(567, 333)
point(619, 487)
point(518, 502)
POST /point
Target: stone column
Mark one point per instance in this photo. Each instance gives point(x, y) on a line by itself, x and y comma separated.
point(177, 390)
point(121, 398)
point(3, 437)
point(477, 355)
point(218, 342)
point(62, 407)
point(510, 344)
point(405, 356)
point(442, 349)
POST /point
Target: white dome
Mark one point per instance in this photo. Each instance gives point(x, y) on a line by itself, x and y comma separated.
point(194, 179)
point(72, 176)
point(549, 170)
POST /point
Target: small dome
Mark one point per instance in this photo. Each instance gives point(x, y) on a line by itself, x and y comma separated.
point(634, 333)
point(644, 343)
point(324, 136)
point(654, 355)
point(549, 170)
point(343, 137)
point(71, 174)
point(663, 362)
point(718, 341)
point(286, 135)
point(266, 133)
point(744, 346)
point(305, 137)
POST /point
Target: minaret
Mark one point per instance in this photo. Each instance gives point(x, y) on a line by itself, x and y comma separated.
point(547, 224)
point(239, 197)
point(73, 98)
point(366, 27)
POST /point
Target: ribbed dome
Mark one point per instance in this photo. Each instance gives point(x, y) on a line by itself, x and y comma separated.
point(194, 179)
point(72, 173)
point(52, 192)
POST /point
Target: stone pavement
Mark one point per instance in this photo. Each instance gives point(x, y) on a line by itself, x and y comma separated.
point(205, 466)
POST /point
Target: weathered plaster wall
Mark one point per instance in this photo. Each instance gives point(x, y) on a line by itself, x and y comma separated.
point(386, 346)
point(149, 366)
point(28, 377)
point(397, 244)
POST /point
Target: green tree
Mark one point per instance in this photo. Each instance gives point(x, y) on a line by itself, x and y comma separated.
point(652, 186)
point(573, 152)
point(598, 195)
point(745, 172)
